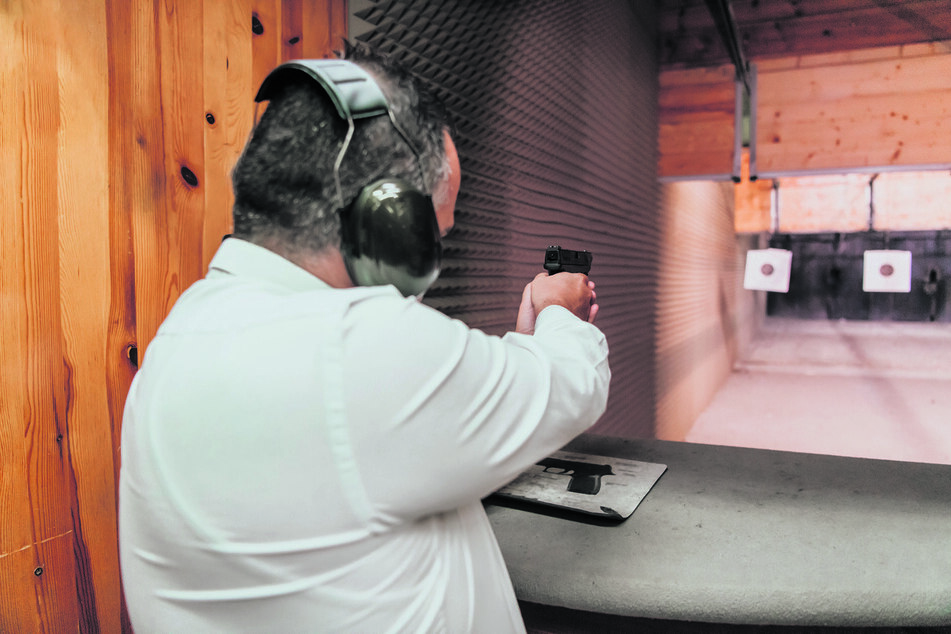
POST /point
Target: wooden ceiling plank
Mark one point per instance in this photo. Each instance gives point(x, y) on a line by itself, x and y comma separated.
point(688, 36)
point(763, 11)
point(836, 32)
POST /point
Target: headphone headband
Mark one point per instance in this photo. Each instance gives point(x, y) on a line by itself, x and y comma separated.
point(353, 91)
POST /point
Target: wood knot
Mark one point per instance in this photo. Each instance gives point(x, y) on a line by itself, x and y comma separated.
point(189, 177)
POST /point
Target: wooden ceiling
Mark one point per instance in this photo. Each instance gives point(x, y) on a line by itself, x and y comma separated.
point(689, 38)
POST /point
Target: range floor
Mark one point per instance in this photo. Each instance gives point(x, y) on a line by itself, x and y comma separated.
point(863, 389)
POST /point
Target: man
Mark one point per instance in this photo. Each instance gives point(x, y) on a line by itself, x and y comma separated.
point(303, 454)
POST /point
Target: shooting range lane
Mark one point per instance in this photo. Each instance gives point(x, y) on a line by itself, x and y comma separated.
point(736, 535)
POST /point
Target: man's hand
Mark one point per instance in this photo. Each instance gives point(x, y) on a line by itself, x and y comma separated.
point(573, 291)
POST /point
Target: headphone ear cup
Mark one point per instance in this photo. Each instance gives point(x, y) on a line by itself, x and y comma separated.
point(389, 235)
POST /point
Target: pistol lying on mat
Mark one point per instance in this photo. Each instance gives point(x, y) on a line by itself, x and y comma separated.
point(585, 477)
point(558, 260)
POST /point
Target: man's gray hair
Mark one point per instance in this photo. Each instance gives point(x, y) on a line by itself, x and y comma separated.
point(284, 180)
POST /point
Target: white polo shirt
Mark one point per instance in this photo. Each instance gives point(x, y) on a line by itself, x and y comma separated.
point(297, 458)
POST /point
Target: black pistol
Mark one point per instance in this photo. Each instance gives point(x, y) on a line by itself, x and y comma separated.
point(585, 477)
point(558, 260)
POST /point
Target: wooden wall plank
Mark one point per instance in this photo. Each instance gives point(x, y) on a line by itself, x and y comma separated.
point(266, 45)
point(14, 405)
point(17, 556)
point(33, 408)
point(292, 30)
point(321, 34)
point(339, 24)
point(147, 173)
point(122, 347)
point(869, 114)
point(39, 597)
point(168, 227)
point(85, 283)
point(181, 34)
point(843, 58)
point(875, 78)
point(228, 95)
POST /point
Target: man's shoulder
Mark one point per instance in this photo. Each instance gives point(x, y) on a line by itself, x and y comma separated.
point(216, 303)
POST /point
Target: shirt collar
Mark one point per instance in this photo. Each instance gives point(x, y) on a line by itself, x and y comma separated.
point(244, 259)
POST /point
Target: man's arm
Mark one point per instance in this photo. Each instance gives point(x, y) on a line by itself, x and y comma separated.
point(466, 412)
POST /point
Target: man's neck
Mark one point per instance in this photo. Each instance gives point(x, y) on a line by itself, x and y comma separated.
point(327, 265)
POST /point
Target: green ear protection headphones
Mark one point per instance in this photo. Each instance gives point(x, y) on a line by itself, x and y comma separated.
point(389, 233)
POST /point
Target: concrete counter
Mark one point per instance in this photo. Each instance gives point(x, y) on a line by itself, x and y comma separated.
point(731, 535)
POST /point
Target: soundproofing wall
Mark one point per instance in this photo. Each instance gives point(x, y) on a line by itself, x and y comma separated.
point(554, 108)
